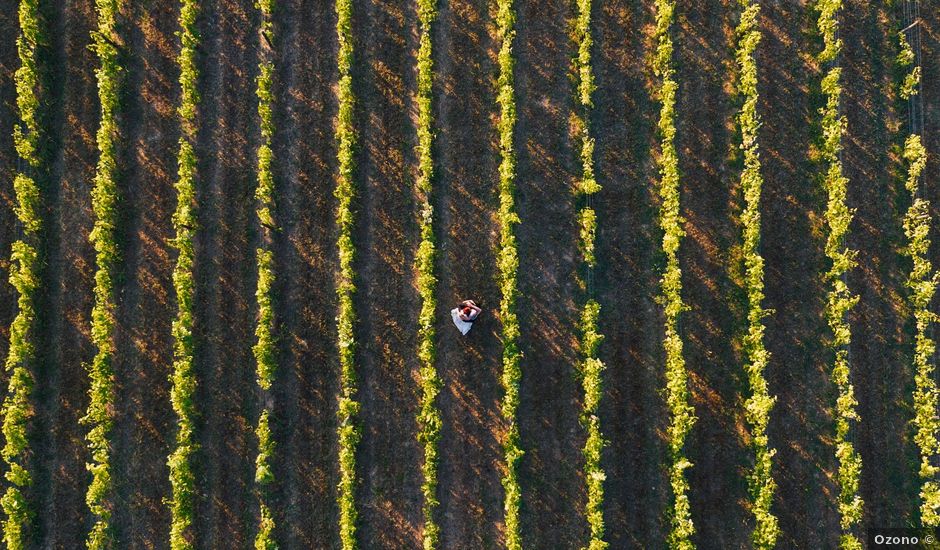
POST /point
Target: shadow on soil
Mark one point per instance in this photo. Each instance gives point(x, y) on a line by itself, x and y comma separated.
point(144, 422)
point(801, 425)
point(471, 510)
point(305, 391)
point(712, 273)
point(225, 273)
point(633, 415)
point(389, 456)
point(61, 478)
point(549, 304)
point(882, 332)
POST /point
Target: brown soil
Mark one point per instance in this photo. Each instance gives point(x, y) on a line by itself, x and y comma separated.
point(792, 239)
point(144, 421)
point(930, 35)
point(471, 496)
point(633, 414)
point(9, 62)
point(225, 277)
point(550, 298)
point(389, 457)
point(882, 346)
point(61, 478)
point(305, 255)
point(712, 273)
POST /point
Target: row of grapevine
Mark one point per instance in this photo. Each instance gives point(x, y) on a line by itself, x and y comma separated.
point(24, 276)
point(922, 282)
point(183, 390)
point(264, 348)
point(508, 262)
point(591, 373)
point(104, 199)
point(348, 407)
point(759, 403)
point(681, 413)
point(429, 417)
point(591, 368)
point(840, 299)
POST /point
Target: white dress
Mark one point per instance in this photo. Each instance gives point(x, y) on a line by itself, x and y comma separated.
point(463, 326)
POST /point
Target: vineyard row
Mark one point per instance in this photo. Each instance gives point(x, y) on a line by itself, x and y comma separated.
point(591, 368)
point(265, 349)
point(105, 204)
point(508, 266)
point(429, 416)
point(183, 378)
point(25, 276)
point(922, 281)
point(840, 299)
point(759, 403)
point(681, 413)
point(348, 408)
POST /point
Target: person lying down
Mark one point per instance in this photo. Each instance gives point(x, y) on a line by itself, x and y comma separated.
point(464, 315)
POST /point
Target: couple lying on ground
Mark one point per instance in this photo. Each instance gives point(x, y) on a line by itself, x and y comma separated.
point(464, 315)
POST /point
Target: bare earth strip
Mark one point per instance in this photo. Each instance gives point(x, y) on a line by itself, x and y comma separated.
point(225, 273)
point(145, 308)
point(9, 62)
point(633, 413)
point(389, 457)
point(305, 256)
point(930, 35)
point(471, 509)
point(551, 471)
point(931, 96)
point(801, 427)
point(712, 276)
point(61, 477)
point(881, 345)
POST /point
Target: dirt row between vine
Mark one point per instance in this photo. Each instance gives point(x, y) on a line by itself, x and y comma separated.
point(386, 236)
point(144, 421)
point(8, 161)
point(800, 424)
point(633, 414)
point(225, 274)
point(712, 272)
point(551, 289)
point(466, 155)
point(305, 256)
point(883, 325)
point(59, 446)
point(931, 97)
